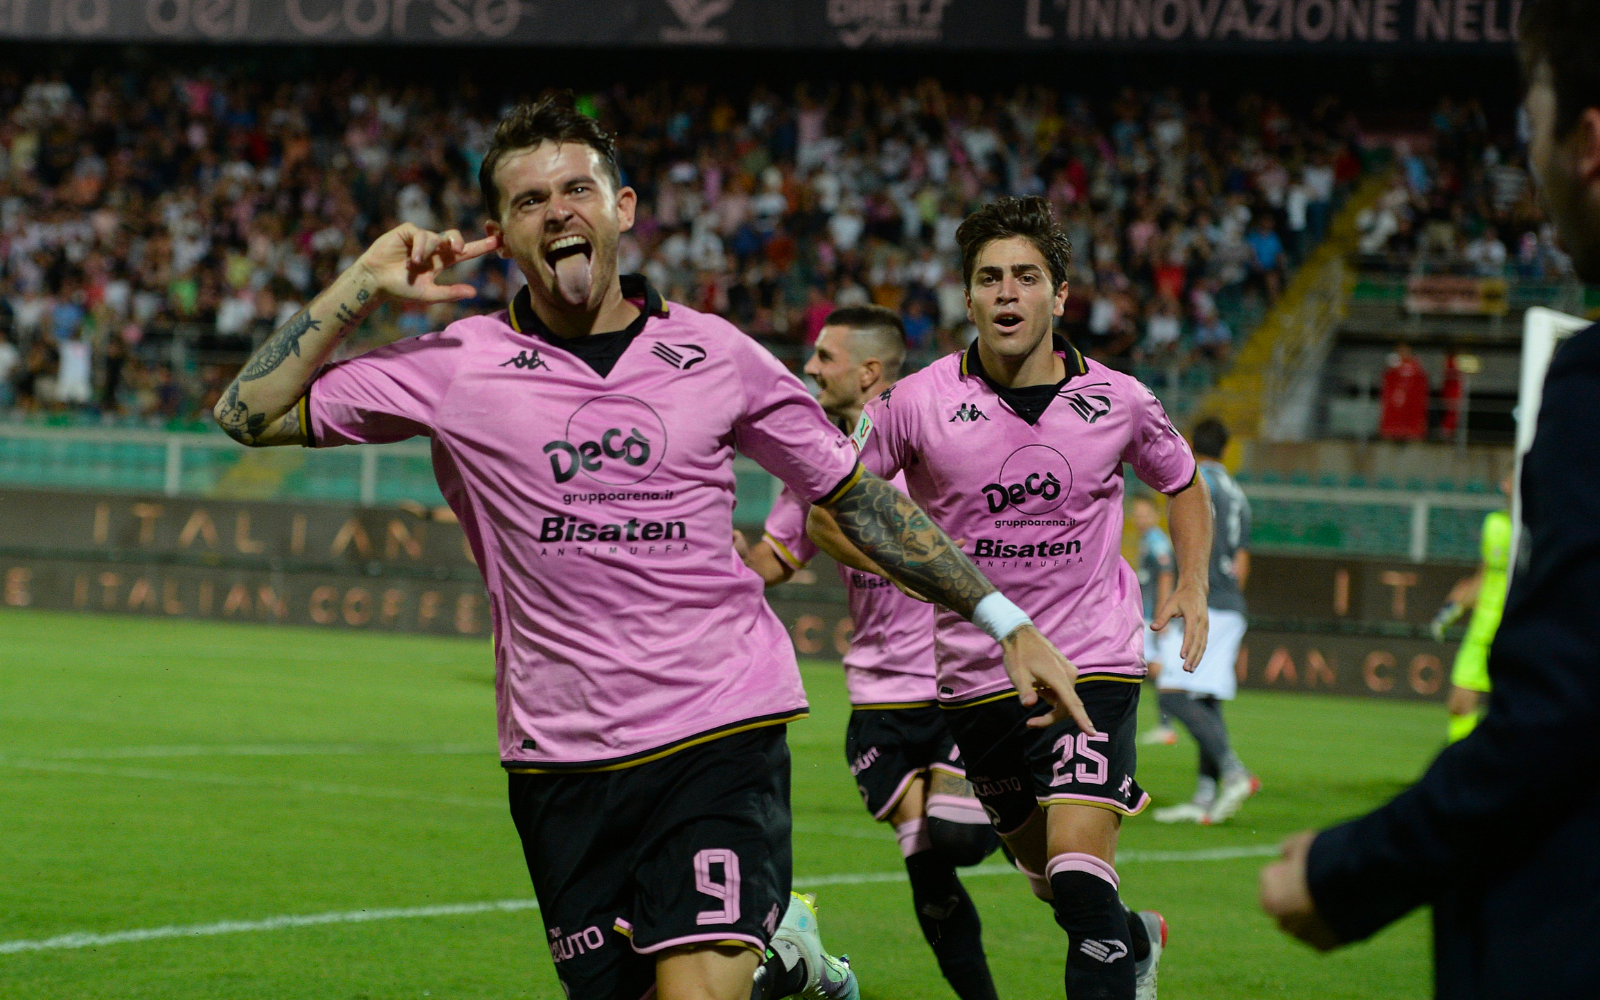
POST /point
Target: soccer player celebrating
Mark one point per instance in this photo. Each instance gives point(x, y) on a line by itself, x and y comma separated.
point(899, 749)
point(584, 438)
point(1017, 446)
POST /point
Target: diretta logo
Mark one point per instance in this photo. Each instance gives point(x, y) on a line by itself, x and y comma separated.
point(696, 17)
point(887, 21)
point(1035, 479)
point(615, 440)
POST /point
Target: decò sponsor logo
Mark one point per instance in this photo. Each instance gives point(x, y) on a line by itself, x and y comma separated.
point(1034, 479)
point(615, 440)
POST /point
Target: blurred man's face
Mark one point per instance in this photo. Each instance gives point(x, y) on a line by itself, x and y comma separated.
point(1564, 167)
point(1011, 298)
point(560, 221)
point(841, 379)
point(1144, 515)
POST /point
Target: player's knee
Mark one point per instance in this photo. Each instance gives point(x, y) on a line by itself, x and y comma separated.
point(962, 843)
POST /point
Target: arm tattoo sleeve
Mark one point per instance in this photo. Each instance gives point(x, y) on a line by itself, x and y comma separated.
point(898, 536)
point(280, 345)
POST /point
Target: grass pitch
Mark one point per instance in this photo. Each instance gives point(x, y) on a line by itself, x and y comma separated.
point(161, 774)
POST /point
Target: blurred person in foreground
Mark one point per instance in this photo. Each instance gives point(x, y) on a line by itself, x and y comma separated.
point(1484, 593)
point(585, 438)
point(1499, 836)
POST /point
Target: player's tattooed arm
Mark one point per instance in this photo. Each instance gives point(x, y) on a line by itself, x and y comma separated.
point(901, 543)
point(261, 406)
point(874, 526)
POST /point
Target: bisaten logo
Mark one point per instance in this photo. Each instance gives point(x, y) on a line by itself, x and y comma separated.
point(1035, 479)
point(615, 440)
point(887, 22)
point(696, 17)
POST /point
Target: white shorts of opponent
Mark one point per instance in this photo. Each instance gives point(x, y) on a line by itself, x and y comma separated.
point(1215, 675)
point(1164, 647)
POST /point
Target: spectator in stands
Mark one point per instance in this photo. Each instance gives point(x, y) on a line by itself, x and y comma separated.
point(1213, 338)
point(1487, 254)
point(1268, 264)
point(10, 361)
point(1404, 402)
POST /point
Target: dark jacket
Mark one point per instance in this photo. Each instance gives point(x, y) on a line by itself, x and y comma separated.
point(1502, 834)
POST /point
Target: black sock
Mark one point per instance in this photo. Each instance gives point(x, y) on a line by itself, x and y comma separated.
point(950, 923)
point(775, 980)
point(1141, 934)
point(1100, 945)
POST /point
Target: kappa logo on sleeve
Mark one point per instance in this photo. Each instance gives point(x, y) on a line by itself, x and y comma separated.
point(680, 356)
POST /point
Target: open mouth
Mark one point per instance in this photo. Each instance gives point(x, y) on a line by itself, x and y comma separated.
point(566, 246)
point(1008, 322)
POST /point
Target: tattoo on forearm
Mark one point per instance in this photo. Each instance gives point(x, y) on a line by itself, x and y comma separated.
point(234, 415)
point(898, 536)
point(236, 419)
point(278, 347)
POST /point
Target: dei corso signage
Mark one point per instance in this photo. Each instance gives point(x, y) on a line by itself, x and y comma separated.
point(846, 24)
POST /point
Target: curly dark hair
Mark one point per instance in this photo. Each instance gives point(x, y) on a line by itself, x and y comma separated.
point(1030, 218)
point(553, 119)
point(1564, 34)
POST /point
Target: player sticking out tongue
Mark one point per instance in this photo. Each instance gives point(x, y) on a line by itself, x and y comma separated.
point(570, 258)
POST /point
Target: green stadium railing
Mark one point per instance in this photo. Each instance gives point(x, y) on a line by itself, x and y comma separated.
point(1395, 524)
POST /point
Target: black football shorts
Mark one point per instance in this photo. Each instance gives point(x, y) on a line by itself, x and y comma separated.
point(1015, 770)
point(689, 849)
point(888, 747)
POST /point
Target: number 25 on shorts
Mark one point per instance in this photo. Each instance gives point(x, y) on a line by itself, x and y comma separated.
point(1079, 743)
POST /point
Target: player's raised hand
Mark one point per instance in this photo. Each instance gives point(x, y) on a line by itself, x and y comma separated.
point(1037, 669)
point(1188, 603)
point(407, 261)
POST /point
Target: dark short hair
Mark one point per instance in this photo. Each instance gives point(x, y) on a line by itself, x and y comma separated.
point(1030, 218)
point(883, 326)
point(555, 118)
point(1210, 438)
point(1565, 34)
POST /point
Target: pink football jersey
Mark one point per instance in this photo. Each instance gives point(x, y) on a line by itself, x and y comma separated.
point(1038, 504)
point(891, 646)
point(600, 511)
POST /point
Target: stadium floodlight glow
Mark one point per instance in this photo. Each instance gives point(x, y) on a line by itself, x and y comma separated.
point(1543, 330)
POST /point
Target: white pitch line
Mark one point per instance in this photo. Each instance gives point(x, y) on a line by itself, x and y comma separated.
point(229, 781)
point(81, 939)
point(271, 750)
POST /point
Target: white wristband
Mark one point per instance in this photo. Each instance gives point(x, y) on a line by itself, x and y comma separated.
point(998, 616)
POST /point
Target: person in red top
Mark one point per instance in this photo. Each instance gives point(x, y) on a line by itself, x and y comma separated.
point(1404, 416)
point(1450, 396)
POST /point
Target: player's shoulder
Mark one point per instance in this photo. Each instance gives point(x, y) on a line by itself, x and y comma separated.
point(1122, 383)
point(679, 320)
point(928, 383)
point(448, 348)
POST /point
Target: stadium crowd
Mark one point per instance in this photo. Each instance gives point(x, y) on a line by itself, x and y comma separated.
point(134, 205)
point(1462, 203)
